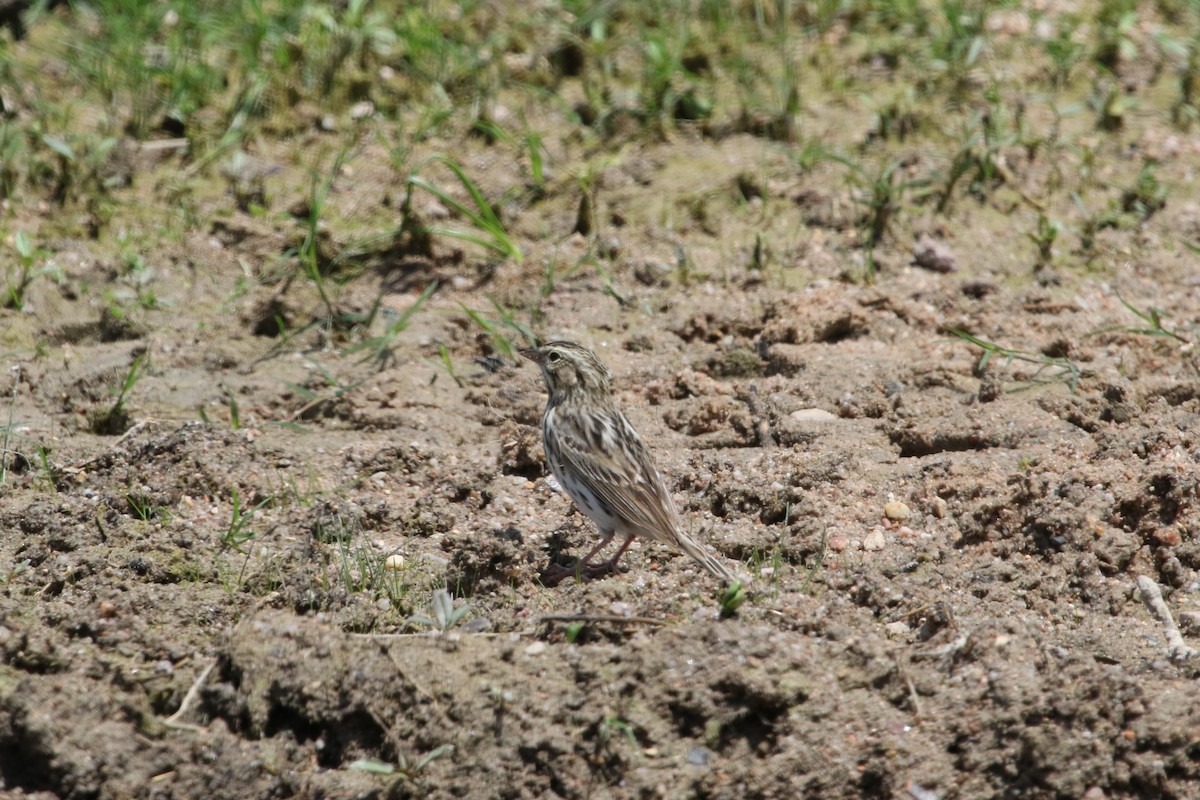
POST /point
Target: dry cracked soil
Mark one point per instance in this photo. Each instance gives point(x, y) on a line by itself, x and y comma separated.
point(220, 584)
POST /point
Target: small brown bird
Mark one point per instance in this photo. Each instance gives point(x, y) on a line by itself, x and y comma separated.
point(602, 464)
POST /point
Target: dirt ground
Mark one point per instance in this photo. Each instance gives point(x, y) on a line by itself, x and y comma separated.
point(207, 587)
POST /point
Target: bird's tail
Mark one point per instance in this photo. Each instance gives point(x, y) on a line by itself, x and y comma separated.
point(704, 558)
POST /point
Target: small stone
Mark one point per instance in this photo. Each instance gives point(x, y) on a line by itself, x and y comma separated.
point(812, 415)
point(895, 630)
point(940, 508)
point(394, 562)
point(435, 210)
point(652, 273)
point(1095, 793)
point(837, 544)
point(698, 756)
point(934, 255)
point(897, 511)
point(107, 609)
point(1168, 537)
point(874, 541)
point(535, 649)
point(1189, 622)
point(979, 289)
point(620, 609)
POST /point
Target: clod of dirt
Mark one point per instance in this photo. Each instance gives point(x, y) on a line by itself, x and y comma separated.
point(521, 451)
point(270, 317)
point(739, 362)
point(487, 562)
point(116, 326)
point(934, 255)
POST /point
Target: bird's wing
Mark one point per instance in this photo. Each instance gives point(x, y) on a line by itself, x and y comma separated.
point(614, 464)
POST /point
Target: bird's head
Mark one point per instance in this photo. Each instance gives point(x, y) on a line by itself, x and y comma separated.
point(569, 367)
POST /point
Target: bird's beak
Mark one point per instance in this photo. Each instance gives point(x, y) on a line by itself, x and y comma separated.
point(533, 354)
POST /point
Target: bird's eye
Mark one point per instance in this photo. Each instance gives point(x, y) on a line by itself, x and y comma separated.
point(553, 357)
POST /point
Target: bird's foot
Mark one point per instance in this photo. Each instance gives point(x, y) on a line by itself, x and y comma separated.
point(557, 573)
point(592, 571)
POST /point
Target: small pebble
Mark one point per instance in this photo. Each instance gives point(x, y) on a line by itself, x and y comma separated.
point(535, 649)
point(874, 541)
point(1189, 622)
point(812, 415)
point(934, 255)
point(897, 511)
point(698, 756)
point(394, 562)
point(1168, 537)
point(620, 609)
point(896, 629)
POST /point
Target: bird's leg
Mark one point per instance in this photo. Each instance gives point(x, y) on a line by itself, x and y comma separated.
point(557, 573)
point(605, 538)
point(611, 564)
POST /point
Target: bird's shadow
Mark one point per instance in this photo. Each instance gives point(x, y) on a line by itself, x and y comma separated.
point(561, 566)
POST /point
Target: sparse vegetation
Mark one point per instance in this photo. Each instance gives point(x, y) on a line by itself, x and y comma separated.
point(239, 532)
point(486, 229)
point(1047, 368)
point(445, 615)
point(29, 265)
point(114, 419)
point(403, 769)
point(732, 598)
point(378, 349)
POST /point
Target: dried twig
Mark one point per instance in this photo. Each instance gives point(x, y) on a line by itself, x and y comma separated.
point(602, 618)
point(1177, 649)
point(189, 700)
point(960, 643)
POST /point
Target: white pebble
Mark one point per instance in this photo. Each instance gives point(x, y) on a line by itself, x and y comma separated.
point(812, 415)
point(874, 540)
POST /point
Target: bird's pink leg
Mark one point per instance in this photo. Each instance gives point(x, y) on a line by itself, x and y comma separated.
point(605, 538)
point(611, 564)
point(557, 573)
